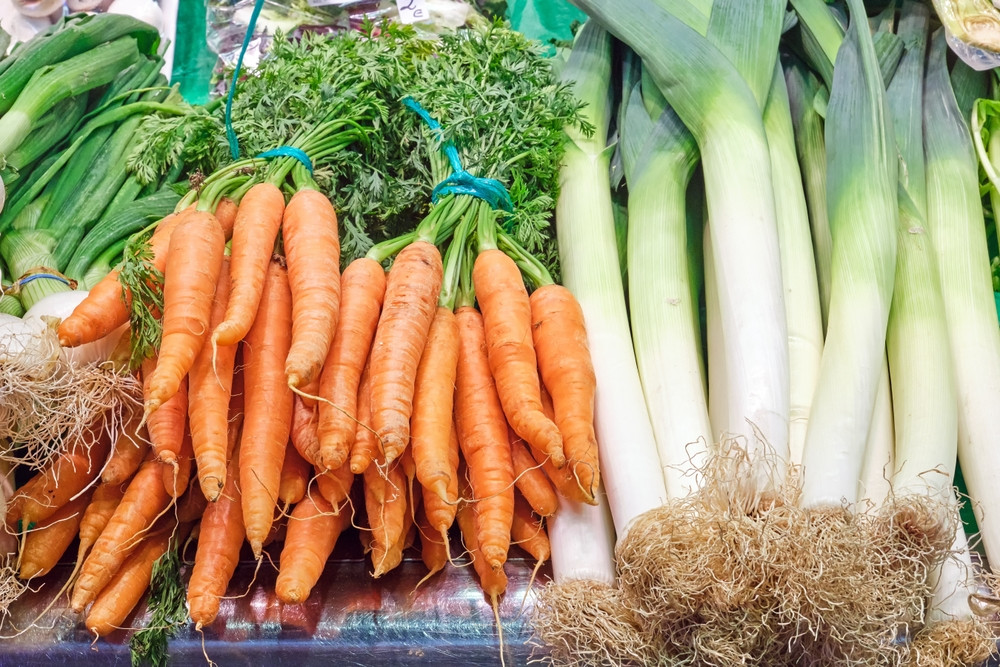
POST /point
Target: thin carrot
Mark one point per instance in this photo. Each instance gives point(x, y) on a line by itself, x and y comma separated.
point(303, 437)
point(530, 479)
point(95, 518)
point(194, 261)
point(254, 233)
point(128, 452)
point(362, 289)
point(144, 500)
point(334, 485)
point(528, 533)
point(210, 387)
point(506, 311)
point(47, 542)
point(167, 425)
point(218, 553)
point(191, 505)
point(439, 512)
point(176, 478)
point(386, 506)
point(567, 372)
point(313, 530)
point(295, 474)
point(492, 580)
point(225, 213)
point(564, 480)
point(433, 406)
point(365, 447)
point(411, 296)
point(312, 248)
point(433, 546)
point(482, 436)
point(268, 404)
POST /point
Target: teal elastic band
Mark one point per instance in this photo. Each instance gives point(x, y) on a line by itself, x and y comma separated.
point(37, 276)
point(461, 182)
point(289, 151)
point(234, 143)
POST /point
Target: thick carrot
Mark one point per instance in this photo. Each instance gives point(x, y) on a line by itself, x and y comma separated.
point(439, 512)
point(527, 531)
point(506, 311)
point(365, 447)
point(254, 234)
point(218, 553)
point(210, 387)
point(312, 248)
point(176, 478)
point(303, 437)
point(530, 479)
point(313, 530)
point(492, 580)
point(295, 474)
point(334, 485)
point(433, 406)
point(362, 289)
point(482, 436)
point(194, 261)
point(167, 425)
point(47, 542)
point(411, 296)
point(144, 500)
point(565, 365)
point(563, 479)
point(387, 507)
point(128, 452)
point(268, 404)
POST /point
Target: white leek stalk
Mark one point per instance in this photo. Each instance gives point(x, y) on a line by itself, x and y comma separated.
point(583, 541)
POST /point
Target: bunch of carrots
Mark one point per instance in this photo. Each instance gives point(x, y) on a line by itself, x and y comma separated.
point(276, 383)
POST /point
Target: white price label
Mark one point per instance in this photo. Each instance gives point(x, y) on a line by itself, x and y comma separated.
point(412, 11)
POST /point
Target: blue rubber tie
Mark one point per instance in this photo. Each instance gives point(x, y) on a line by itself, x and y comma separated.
point(37, 276)
point(234, 143)
point(461, 182)
point(289, 151)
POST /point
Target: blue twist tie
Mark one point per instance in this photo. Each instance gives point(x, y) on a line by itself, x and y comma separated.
point(234, 143)
point(289, 151)
point(37, 276)
point(461, 182)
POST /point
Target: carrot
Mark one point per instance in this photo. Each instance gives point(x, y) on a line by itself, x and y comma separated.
point(334, 485)
point(433, 546)
point(564, 479)
point(176, 478)
point(492, 580)
point(313, 530)
point(254, 233)
point(440, 513)
point(365, 446)
point(506, 311)
point(268, 404)
point(565, 365)
point(191, 504)
point(194, 261)
point(117, 600)
point(167, 425)
point(221, 535)
point(528, 533)
point(144, 500)
point(530, 479)
point(295, 474)
point(482, 436)
point(210, 387)
point(411, 295)
point(362, 289)
point(95, 518)
point(47, 542)
point(386, 506)
point(312, 248)
point(433, 404)
point(61, 480)
point(225, 213)
point(128, 452)
point(303, 437)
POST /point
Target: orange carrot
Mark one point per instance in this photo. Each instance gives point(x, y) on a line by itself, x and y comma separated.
point(95, 518)
point(433, 545)
point(386, 505)
point(295, 474)
point(218, 553)
point(411, 295)
point(268, 404)
point(312, 248)
point(313, 530)
point(47, 542)
point(433, 404)
point(129, 451)
point(365, 447)
point(304, 438)
point(482, 436)
point(194, 261)
point(334, 485)
point(564, 362)
point(530, 479)
point(564, 480)
point(506, 311)
point(527, 531)
point(192, 503)
point(166, 426)
point(254, 233)
point(440, 513)
point(362, 288)
point(144, 500)
point(225, 213)
point(210, 387)
point(492, 580)
point(176, 478)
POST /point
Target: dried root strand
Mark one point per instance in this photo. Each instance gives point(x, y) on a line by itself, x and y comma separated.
point(952, 643)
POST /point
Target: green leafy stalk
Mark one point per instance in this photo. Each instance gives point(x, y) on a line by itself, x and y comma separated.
point(167, 599)
point(142, 288)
